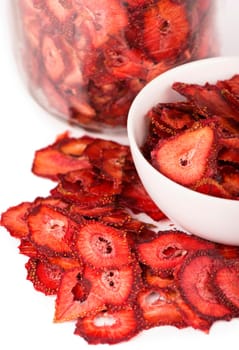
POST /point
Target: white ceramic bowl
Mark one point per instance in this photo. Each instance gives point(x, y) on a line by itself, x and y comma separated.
point(212, 218)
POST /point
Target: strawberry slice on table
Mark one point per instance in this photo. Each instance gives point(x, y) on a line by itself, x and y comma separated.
point(188, 156)
point(195, 285)
point(45, 276)
point(14, 219)
point(159, 309)
point(109, 327)
point(225, 280)
point(64, 155)
point(169, 249)
point(102, 246)
point(116, 286)
point(75, 297)
point(135, 197)
point(50, 230)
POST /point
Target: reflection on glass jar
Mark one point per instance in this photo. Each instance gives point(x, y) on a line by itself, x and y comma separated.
point(85, 60)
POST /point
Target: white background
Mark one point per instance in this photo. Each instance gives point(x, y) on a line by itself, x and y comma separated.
point(25, 315)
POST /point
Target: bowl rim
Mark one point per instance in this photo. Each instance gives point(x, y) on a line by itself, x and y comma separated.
point(132, 116)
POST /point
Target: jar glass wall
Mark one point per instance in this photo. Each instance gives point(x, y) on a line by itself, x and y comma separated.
point(85, 60)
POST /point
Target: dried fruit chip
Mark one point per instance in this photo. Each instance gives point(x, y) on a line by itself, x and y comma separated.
point(187, 157)
point(196, 287)
point(50, 229)
point(108, 327)
point(169, 249)
point(75, 299)
point(225, 280)
point(102, 246)
point(45, 276)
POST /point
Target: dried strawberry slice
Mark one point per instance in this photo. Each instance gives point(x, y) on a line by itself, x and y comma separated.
point(188, 156)
point(61, 10)
point(230, 180)
point(191, 317)
point(159, 309)
point(135, 197)
point(60, 157)
point(211, 187)
point(208, 99)
point(53, 59)
point(167, 37)
point(45, 276)
point(159, 280)
point(14, 220)
point(73, 194)
point(108, 327)
point(225, 280)
point(195, 285)
point(75, 298)
point(231, 84)
point(26, 247)
point(102, 246)
point(229, 155)
point(169, 249)
point(65, 263)
point(100, 19)
point(116, 286)
point(50, 229)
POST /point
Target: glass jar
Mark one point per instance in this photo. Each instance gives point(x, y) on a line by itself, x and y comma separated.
point(85, 60)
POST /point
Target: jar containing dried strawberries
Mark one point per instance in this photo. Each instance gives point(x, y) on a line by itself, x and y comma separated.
point(85, 60)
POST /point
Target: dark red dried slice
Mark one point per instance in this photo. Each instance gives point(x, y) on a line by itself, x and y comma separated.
point(208, 99)
point(187, 157)
point(75, 299)
point(231, 84)
point(169, 249)
point(74, 194)
point(169, 35)
point(158, 309)
point(159, 280)
point(72, 146)
point(53, 160)
point(45, 276)
point(100, 19)
point(229, 155)
point(226, 283)
point(14, 220)
point(195, 285)
point(26, 247)
point(64, 262)
point(50, 230)
point(211, 187)
point(230, 180)
point(108, 327)
point(190, 317)
point(116, 286)
point(102, 246)
point(134, 197)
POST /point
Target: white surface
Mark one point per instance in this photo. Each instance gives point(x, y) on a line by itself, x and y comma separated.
point(25, 315)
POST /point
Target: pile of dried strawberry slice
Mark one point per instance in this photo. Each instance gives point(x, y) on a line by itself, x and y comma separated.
point(110, 272)
point(90, 58)
point(195, 142)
